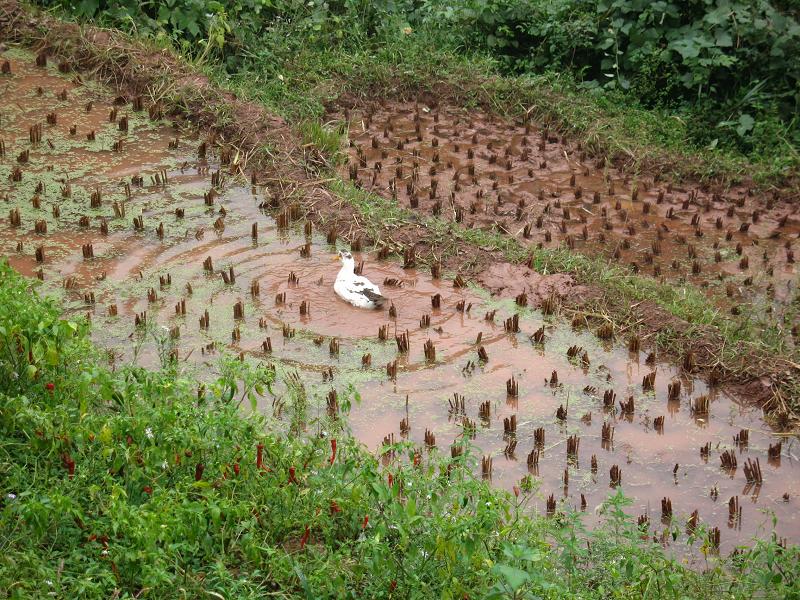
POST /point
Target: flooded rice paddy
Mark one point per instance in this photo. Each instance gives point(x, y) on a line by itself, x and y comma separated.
point(145, 227)
point(525, 181)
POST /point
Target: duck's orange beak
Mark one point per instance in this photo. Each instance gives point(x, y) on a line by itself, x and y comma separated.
point(335, 257)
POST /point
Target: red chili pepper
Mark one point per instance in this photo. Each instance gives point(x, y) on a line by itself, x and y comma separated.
point(259, 455)
point(292, 477)
point(236, 468)
point(304, 539)
point(177, 459)
point(335, 507)
point(69, 464)
point(147, 490)
point(366, 522)
point(333, 451)
point(198, 471)
point(391, 480)
point(50, 386)
point(516, 491)
point(393, 585)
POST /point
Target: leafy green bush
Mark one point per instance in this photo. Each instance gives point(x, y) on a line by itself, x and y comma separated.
point(36, 345)
point(735, 60)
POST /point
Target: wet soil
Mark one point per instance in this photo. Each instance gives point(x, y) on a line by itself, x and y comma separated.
point(268, 298)
point(525, 181)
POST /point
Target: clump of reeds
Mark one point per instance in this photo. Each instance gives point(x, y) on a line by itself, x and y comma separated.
point(700, 406)
point(615, 474)
point(512, 388)
point(752, 471)
point(728, 460)
point(430, 351)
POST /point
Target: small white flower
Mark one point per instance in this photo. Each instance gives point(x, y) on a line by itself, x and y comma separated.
point(149, 433)
point(11, 496)
point(164, 465)
point(48, 582)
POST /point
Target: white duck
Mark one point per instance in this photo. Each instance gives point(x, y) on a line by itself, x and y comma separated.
point(358, 291)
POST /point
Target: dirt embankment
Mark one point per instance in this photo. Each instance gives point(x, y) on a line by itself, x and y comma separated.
point(269, 150)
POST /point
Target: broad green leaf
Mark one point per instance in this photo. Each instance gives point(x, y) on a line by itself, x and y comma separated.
point(515, 577)
point(746, 123)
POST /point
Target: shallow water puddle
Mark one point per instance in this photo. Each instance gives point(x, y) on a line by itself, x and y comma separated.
point(520, 382)
point(656, 460)
point(524, 181)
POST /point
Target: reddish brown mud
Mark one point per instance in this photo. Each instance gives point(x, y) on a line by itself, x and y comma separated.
point(522, 180)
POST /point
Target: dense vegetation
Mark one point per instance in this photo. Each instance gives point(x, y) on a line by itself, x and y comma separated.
point(725, 71)
point(131, 480)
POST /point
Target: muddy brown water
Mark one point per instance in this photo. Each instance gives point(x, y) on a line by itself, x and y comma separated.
point(655, 462)
point(517, 178)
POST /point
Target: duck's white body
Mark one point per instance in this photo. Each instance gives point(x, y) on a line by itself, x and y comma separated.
point(355, 289)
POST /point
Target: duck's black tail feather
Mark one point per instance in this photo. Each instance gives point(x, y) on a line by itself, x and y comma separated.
point(377, 299)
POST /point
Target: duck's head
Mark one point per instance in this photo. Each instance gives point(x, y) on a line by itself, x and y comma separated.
point(347, 259)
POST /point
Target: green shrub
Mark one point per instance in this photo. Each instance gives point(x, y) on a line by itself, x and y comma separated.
point(735, 60)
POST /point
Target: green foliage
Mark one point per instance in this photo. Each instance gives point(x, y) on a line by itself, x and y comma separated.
point(126, 484)
point(35, 344)
point(731, 64)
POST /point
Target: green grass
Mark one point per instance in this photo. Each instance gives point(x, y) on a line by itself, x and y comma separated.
point(129, 484)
